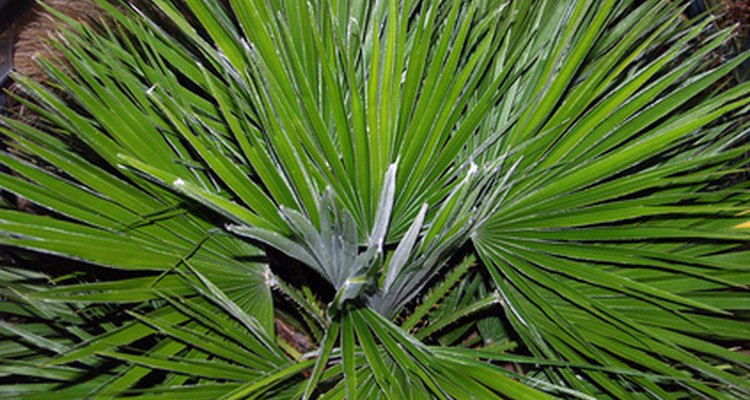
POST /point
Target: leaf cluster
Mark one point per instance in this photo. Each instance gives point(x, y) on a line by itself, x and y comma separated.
point(399, 199)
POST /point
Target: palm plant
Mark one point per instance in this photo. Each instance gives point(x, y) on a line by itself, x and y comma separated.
point(391, 199)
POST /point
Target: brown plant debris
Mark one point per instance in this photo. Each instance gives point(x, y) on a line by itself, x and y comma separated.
point(36, 26)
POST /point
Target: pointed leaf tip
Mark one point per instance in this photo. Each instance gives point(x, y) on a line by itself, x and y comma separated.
point(385, 208)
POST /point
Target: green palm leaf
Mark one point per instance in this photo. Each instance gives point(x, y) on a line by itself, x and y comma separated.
point(388, 200)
